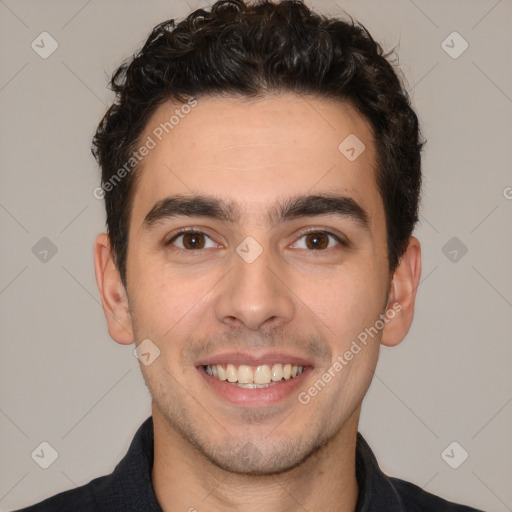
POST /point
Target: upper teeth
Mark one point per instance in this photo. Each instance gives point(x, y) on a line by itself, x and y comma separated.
point(263, 374)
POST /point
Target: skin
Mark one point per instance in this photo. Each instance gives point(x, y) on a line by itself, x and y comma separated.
point(307, 302)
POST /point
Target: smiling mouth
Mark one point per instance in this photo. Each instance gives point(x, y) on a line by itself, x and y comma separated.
point(254, 377)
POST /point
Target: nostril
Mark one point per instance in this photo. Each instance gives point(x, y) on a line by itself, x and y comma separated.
point(233, 321)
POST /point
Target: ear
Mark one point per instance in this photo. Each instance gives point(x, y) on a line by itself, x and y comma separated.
point(402, 294)
point(112, 292)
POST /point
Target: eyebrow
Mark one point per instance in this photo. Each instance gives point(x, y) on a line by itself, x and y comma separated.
point(285, 209)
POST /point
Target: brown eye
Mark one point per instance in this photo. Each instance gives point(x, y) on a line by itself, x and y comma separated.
point(317, 241)
point(191, 240)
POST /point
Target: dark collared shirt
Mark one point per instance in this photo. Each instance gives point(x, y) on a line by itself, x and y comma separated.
point(129, 487)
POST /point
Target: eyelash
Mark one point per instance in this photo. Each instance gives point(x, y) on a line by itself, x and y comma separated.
point(341, 241)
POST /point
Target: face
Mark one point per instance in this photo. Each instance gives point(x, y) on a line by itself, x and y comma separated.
point(276, 267)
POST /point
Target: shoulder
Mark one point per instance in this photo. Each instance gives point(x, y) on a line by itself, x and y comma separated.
point(127, 488)
point(80, 499)
point(381, 493)
point(416, 499)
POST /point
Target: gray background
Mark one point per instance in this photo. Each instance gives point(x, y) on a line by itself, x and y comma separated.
point(64, 381)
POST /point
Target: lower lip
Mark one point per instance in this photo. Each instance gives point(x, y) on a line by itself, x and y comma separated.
point(256, 397)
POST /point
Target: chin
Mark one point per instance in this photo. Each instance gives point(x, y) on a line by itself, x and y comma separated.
point(248, 459)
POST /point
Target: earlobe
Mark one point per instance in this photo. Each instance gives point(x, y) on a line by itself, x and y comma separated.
point(402, 295)
point(112, 292)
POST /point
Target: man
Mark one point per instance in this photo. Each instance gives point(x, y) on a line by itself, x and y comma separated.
point(261, 175)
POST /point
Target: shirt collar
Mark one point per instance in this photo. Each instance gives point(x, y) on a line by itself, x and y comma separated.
point(132, 486)
point(376, 491)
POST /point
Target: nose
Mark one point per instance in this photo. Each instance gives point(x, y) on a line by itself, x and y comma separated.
point(255, 294)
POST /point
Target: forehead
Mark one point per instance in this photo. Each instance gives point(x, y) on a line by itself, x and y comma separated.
point(253, 151)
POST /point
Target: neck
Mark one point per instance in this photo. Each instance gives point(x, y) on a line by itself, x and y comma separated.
point(185, 480)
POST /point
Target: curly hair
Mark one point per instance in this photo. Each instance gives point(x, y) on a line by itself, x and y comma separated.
point(250, 50)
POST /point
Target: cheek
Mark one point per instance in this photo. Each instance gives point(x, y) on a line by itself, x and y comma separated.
point(346, 303)
point(169, 305)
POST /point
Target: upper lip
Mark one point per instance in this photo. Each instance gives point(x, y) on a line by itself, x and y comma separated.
point(238, 358)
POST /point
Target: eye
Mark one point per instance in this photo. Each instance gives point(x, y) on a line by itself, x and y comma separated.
point(191, 240)
point(318, 240)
